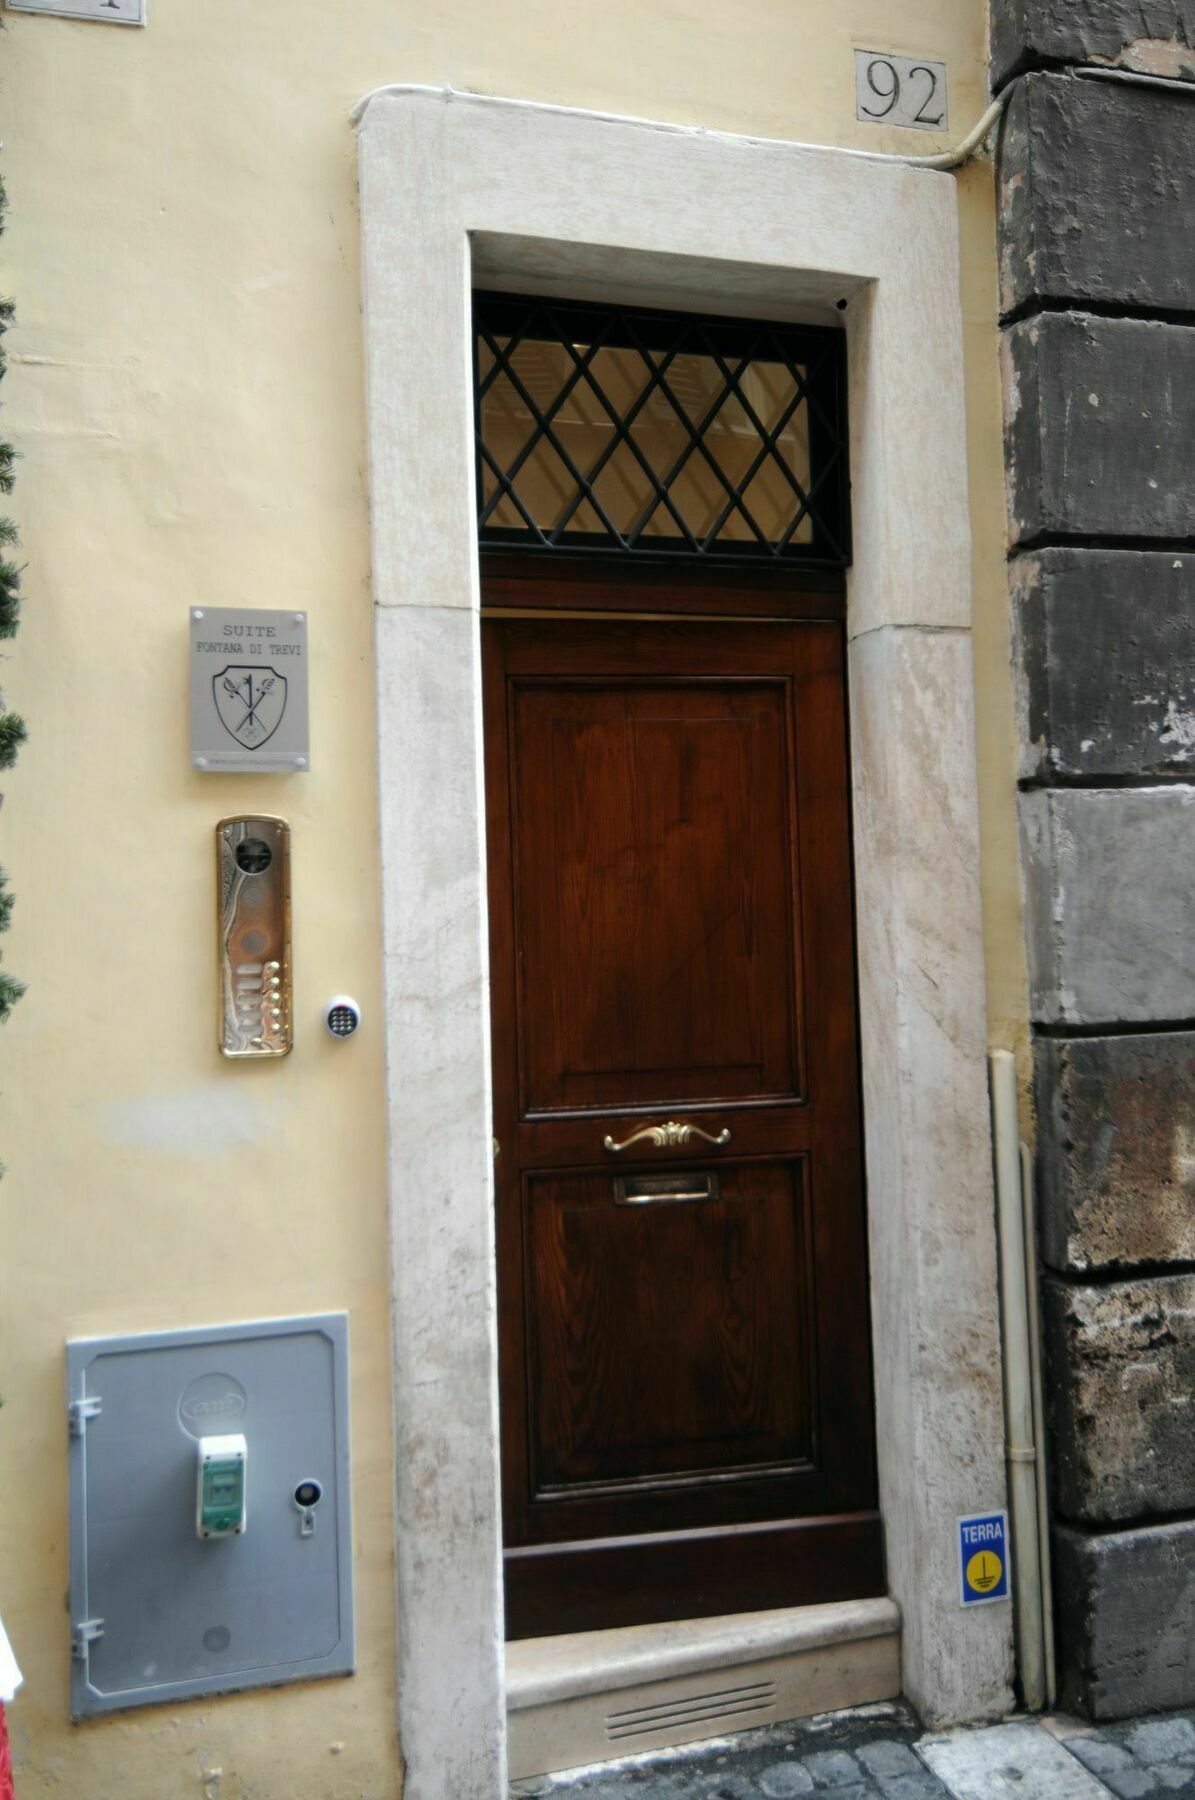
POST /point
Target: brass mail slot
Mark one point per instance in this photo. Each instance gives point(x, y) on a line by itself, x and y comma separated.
point(665, 1190)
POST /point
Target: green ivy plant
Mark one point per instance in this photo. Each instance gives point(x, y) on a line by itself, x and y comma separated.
point(12, 726)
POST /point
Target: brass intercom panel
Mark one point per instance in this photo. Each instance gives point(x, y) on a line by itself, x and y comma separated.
point(253, 905)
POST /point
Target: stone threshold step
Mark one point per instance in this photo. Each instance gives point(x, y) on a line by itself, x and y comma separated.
point(598, 1695)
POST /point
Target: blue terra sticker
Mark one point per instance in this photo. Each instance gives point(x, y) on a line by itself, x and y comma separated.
point(983, 1557)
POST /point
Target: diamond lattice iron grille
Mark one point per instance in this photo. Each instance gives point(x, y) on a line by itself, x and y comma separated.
point(645, 433)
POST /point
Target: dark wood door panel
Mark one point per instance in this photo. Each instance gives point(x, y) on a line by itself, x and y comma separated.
point(593, 1586)
point(665, 803)
point(581, 1368)
point(669, 1326)
point(685, 1382)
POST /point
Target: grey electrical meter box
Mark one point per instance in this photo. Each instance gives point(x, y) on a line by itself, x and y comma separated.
point(209, 1511)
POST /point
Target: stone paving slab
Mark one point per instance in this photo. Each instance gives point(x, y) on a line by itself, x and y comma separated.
point(881, 1753)
point(1018, 1761)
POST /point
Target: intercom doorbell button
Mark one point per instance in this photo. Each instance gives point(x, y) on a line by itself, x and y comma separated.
point(342, 1016)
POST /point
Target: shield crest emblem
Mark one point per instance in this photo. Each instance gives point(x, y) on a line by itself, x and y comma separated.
point(250, 703)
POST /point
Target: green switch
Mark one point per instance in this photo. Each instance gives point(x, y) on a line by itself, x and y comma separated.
point(220, 1502)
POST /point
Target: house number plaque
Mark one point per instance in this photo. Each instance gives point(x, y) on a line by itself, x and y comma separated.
point(900, 90)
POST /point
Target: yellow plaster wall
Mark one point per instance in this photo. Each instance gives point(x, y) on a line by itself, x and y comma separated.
point(186, 394)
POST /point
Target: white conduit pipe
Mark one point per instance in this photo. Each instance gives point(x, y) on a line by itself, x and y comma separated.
point(1041, 1466)
point(1019, 1409)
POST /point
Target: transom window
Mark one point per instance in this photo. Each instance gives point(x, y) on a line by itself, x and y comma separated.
point(644, 433)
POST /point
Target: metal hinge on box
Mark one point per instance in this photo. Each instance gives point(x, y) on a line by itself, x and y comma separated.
point(84, 1636)
point(79, 1411)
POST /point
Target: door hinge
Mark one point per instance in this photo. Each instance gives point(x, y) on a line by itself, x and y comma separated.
point(84, 1636)
point(79, 1411)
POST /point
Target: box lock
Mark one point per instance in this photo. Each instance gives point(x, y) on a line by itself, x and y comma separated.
point(253, 904)
point(307, 1496)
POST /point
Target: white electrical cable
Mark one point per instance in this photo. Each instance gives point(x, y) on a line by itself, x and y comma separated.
point(946, 159)
point(954, 159)
point(1137, 78)
point(943, 159)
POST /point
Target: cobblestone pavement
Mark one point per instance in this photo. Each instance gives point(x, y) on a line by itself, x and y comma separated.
point(1141, 1757)
point(880, 1752)
point(863, 1755)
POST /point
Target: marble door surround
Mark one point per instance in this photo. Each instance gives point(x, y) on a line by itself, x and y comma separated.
point(458, 190)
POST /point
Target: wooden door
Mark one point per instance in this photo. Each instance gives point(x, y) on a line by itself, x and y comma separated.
point(684, 1356)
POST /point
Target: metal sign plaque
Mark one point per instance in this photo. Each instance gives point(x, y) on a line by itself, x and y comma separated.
point(248, 691)
point(983, 1558)
point(107, 12)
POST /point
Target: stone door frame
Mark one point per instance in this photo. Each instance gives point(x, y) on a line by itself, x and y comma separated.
point(457, 191)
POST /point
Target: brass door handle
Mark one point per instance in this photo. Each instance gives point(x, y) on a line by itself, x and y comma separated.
point(667, 1137)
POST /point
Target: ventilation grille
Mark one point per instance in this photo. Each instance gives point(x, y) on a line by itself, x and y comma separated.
point(693, 1709)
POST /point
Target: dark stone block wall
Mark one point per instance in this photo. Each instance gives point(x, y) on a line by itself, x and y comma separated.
point(1151, 35)
point(1104, 658)
point(1097, 288)
point(1126, 1616)
point(1116, 1153)
point(1078, 149)
point(1100, 419)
